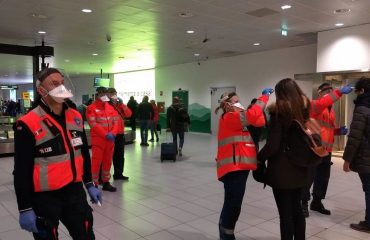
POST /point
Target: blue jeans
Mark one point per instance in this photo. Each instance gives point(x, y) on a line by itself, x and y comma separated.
point(144, 125)
point(365, 179)
point(181, 136)
point(234, 184)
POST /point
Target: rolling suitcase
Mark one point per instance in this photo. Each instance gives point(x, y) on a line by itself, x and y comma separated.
point(168, 151)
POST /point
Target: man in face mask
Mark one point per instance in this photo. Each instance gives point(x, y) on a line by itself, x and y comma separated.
point(52, 163)
point(119, 145)
point(104, 124)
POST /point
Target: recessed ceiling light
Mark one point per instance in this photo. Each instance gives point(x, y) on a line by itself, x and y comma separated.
point(186, 15)
point(6, 75)
point(38, 15)
point(95, 54)
point(342, 11)
point(284, 7)
point(256, 44)
point(67, 60)
point(196, 54)
point(41, 32)
point(339, 24)
point(86, 10)
point(190, 31)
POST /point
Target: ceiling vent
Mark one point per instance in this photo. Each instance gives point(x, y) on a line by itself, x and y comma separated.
point(309, 35)
point(262, 12)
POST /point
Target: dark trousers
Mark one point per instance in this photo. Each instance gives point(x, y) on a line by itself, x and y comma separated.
point(153, 129)
point(144, 126)
point(133, 123)
point(365, 179)
point(119, 154)
point(181, 136)
point(68, 205)
point(292, 221)
point(321, 175)
point(234, 185)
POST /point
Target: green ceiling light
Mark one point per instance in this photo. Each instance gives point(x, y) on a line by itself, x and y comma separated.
point(284, 30)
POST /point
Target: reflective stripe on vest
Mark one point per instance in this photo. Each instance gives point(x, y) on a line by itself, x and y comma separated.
point(327, 144)
point(240, 159)
point(229, 140)
point(333, 97)
point(44, 167)
point(243, 120)
point(324, 123)
point(261, 104)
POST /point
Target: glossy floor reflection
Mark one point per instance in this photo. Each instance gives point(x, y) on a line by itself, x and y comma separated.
point(182, 200)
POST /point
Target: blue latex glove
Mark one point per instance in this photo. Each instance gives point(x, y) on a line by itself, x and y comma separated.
point(346, 89)
point(27, 220)
point(110, 137)
point(267, 91)
point(343, 130)
point(95, 194)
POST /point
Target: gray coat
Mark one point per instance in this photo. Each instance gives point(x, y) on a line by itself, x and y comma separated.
point(357, 151)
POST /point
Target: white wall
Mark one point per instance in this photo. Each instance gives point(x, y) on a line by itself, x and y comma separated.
point(344, 49)
point(83, 84)
point(248, 73)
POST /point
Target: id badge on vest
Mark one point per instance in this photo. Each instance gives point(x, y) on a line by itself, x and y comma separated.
point(77, 141)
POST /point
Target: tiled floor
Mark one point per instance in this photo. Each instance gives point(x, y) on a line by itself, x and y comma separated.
point(182, 200)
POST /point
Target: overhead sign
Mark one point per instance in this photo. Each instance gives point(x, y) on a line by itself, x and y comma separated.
point(25, 95)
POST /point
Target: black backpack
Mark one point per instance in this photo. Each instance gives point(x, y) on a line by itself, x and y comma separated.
point(303, 144)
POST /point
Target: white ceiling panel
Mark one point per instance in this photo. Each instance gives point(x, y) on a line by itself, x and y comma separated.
point(152, 32)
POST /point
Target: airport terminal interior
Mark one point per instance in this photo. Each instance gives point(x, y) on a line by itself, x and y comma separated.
point(195, 50)
point(182, 200)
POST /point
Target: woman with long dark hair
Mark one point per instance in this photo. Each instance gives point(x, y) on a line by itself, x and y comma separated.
point(285, 178)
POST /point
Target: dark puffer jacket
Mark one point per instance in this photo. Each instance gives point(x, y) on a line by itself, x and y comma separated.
point(357, 151)
point(281, 173)
point(177, 118)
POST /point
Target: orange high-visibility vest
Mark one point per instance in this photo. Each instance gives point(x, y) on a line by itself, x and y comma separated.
point(58, 160)
point(102, 119)
point(325, 117)
point(236, 149)
point(122, 112)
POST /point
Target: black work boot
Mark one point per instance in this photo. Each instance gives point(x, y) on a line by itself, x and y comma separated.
point(108, 187)
point(306, 214)
point(316, 205)
point(361, 226)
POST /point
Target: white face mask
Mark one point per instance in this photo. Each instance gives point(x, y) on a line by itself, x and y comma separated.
point(114, 97)
point(239, 105)
point(60, 93)
point(104, 98)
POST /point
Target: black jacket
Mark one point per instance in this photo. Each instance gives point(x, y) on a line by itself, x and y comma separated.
point(357, 150)
point(281, 173)
point(177, 118)
point(133, 105)
point(145, 111)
